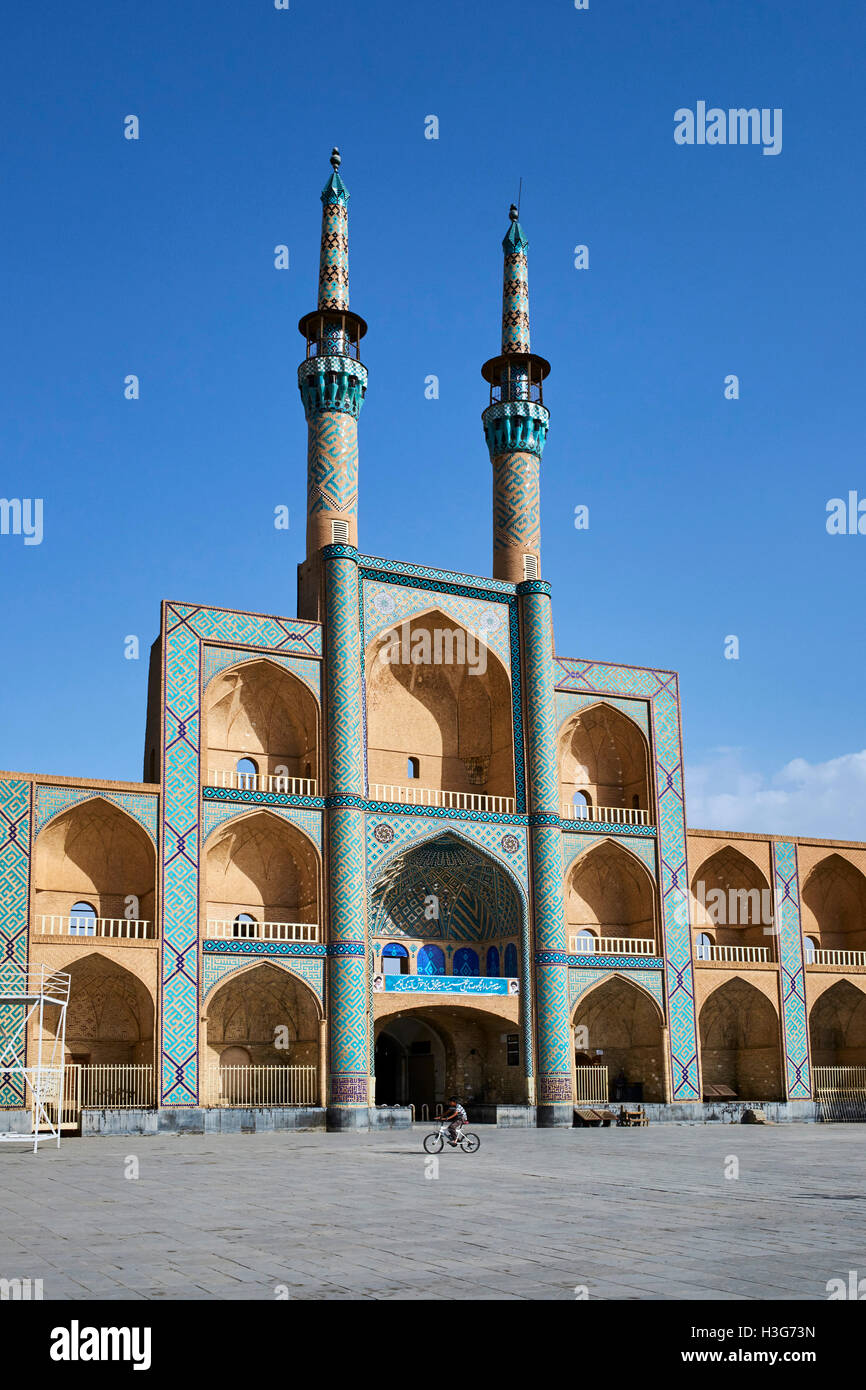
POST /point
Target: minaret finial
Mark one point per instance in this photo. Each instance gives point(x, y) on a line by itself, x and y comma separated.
point(336, 161)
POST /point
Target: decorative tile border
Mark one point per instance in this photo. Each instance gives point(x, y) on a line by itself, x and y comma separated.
point(593, 959)
point(795, 1022)
point(185, 628)
point(660, 689)
point(400, 571)
point(568, 704)
point(16, 814)
point(214, 815)
point(642, 848)
point(579, 981)
point(216, 968)
point(219, 659)
point(387, 605)
point(52, 801)
point(248, 798)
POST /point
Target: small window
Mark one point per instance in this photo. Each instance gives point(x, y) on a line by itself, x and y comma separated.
point(82, 920)
point(530, 567)
point(413, 768)
point(244, 925)
point(512, 1050)
point(810, 946)
point(703, 944)
point(339, 531)
point(395, 959)
point(635, 802)
point(247, 772)
point(584, 943)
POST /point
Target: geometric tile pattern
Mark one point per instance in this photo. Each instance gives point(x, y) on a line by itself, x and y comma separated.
point(575, 845)
point(215, 969)
point(475, 901)
point(795, 1026)
point(516, 516)
point(579, 981)
point(217, 659)
point(332, 463)
point(659, 688)
point(185, 628)
point(216, 813)
point(388, 604)
point(15, 820)
point(569, 704)
point(334, 253)
point(552, 1022)
point(515, 291)
point(50, 801)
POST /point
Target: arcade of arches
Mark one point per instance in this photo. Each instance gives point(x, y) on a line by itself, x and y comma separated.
point(452, 717)
point(603, 757)
point(260, 711)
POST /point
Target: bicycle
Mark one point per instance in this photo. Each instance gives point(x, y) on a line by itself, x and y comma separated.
point(467, 1140)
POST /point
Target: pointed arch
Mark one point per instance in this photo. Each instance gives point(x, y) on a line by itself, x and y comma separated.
point(258, 1007)
point(740, 1036)
point(834, 904)
point(837, 1026)
point(94, 851)
point(623, 1024)
point(441, 695)
point(110, 1018)
point(604, 758)
point(261, 864)
point(732, 902)
point(610, 891)
point(256, 709)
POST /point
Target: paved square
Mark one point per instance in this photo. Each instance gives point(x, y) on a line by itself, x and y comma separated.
point(629, 1214)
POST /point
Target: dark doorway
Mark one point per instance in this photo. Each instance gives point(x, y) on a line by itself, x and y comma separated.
point(389, 1058)
point(422, 1080)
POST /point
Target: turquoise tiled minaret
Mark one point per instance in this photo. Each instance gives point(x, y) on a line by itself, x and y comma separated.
point(515, 426)
point(332, 382)
point(515, 423)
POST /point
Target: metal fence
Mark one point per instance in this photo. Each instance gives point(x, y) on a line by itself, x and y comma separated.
point(839, 1082)
point(260, 1086)
point(590, 1086)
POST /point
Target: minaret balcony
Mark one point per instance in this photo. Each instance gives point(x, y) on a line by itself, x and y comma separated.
point(332, 383)
point(437, 796)
point(515, 427)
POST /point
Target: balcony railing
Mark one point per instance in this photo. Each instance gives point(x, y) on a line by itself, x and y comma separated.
point(261, 782)
point(611, 946)
point(260, 1086)
point(732, 953)
point(612, 815)
point(124, 928)
point(435, 796)
point(218, 930)
point(818, 956)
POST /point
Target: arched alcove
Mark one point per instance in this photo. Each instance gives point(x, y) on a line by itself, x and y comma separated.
point(256, 1008)
point(741, 1042)
point(449, 710)
point(604, 757)
point(262, 713)
point(110, 1016)
point(97, 854)
point(732, 902)
point(624, 1029)
point(261, 866)
point(837, 1027)
point(834, 905)
point(609, 892)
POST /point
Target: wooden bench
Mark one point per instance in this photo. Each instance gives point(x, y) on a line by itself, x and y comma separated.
point(630, 1119)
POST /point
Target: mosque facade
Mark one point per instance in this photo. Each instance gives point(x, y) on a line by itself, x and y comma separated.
point(397, 848)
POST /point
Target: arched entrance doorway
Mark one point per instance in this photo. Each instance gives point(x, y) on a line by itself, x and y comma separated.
point(428, 1053)
point(740, 1042)
point(618, 1025)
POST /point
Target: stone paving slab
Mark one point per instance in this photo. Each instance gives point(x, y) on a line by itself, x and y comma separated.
point(639, 1214)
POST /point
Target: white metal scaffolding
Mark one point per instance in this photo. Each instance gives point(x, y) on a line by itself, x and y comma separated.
point(26, 997)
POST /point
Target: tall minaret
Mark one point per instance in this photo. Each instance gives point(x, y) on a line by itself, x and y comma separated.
point(515, 423)
point(332, 382)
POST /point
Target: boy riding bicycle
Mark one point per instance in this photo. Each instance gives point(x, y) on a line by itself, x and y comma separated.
point(455, 1119)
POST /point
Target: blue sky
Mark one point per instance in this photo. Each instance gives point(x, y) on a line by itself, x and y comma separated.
point(155, 257)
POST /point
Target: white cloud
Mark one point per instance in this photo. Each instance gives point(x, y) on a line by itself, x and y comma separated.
point(827, 800)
